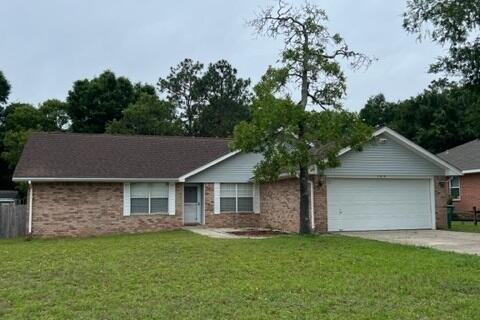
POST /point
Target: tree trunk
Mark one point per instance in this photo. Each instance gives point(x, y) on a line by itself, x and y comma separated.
point(305, 223)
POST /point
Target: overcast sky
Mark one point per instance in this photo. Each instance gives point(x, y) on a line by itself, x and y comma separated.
point(46, 45)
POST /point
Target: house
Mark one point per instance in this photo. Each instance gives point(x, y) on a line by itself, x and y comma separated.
point(465, 189)
point(8, 197)
point(88, 184)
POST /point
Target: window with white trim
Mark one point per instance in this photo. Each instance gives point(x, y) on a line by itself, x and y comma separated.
point(148, 198)
point(455, 188)
point(236, 197)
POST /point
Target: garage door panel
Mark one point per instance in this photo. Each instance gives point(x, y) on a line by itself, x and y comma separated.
point(378, 204)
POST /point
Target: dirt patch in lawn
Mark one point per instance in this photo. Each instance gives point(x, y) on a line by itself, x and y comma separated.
point(256, 233)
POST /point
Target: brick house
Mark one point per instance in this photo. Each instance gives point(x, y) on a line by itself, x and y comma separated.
point(465, 189)
point(88, 184)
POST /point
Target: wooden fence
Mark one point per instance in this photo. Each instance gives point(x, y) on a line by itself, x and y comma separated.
point(13, 220)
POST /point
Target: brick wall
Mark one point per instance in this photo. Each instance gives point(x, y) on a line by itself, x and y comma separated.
point(441, 199)
point(227, 220)
point(79, 209)
point(469, 193)
point(280, 205)
point(320, 204)
point(74, 209)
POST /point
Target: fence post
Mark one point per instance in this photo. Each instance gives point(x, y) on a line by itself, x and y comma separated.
point(475, 216)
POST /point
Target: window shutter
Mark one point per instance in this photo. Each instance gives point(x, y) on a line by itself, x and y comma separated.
point(171, 198)
point(126, 199)
point(256, 198)
point(216, 198)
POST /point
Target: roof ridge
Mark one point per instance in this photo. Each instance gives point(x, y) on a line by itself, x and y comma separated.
point(126, 135)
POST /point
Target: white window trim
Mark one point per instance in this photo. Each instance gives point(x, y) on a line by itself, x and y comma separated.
point(171, 198)
point(216, 198)
point(256, 198)
point(149, 201)
point(459, 198)
point(126, 199)
point(236, 198)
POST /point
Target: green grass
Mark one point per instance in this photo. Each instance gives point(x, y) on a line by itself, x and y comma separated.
point(465, 226)
point(179, 275)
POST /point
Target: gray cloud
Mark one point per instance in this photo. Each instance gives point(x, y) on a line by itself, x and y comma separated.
point(46, 45)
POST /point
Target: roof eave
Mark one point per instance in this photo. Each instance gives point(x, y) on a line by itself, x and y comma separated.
point(77, 179)
point(206, 166)
point(471, 171)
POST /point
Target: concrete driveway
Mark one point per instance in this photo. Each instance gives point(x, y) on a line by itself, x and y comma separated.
point(461, 242)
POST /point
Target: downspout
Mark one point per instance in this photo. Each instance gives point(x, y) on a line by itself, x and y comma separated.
point(312, 205)
point(30, 206)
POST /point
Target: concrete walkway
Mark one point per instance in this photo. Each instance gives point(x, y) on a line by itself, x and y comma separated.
point(461, 242)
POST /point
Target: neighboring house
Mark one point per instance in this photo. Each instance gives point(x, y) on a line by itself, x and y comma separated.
point(85, 184)
point(465, 189)
point(8, 197)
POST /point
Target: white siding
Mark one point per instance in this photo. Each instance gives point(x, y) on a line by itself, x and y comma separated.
point(238, 168)
point(388, 158)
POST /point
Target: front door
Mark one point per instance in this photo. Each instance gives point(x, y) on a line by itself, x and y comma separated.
point(192, 207)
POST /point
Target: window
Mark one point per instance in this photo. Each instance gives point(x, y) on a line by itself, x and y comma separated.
point(455, 188)
point(236, 197)
point(148, 198)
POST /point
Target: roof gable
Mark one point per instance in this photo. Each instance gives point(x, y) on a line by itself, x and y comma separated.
point(397, 158)
point(104, 156)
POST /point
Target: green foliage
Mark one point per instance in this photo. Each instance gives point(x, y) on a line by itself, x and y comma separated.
point(211, 102)
point(453, 23)
point(273, 131)
point(149, 116)
point(4, 89)
point(438, 119)
point(226, 99)
point(54, 114)
point(94, 103)
point(21, 119)
point(181, 89)
point(13, 142)
point(377, 111)
point(22, 116)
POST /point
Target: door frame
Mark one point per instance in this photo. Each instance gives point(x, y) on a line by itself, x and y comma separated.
point(200, 198)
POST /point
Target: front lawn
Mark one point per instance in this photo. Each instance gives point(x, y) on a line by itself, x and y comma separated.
point(465, 226)
point(180, 275)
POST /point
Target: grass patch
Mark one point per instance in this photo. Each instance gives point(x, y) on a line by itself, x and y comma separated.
point(465, 226)
point(178, 275)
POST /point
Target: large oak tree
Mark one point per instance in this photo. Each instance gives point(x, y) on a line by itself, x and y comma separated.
point(292, 137)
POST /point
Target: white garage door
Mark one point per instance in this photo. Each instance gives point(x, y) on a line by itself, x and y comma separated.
point(378, 204)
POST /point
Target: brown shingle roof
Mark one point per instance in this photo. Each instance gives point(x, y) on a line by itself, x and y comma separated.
point(465, 156)
point(68, 155)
